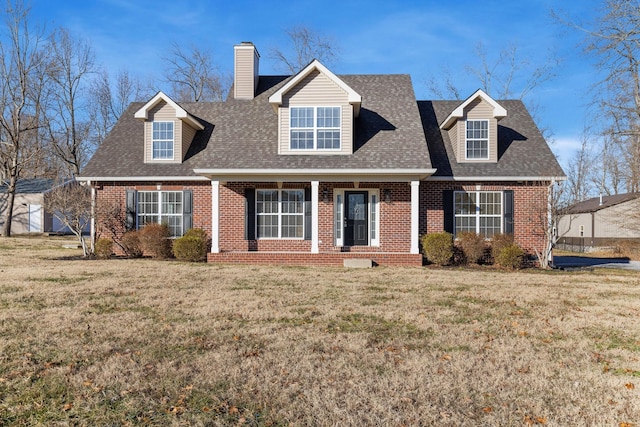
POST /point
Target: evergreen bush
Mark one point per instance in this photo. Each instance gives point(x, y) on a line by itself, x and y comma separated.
point(438, 247)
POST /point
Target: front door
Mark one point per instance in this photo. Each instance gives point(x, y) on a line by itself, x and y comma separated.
point(356, 229)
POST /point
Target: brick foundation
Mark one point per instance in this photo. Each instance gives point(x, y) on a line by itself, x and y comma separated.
point(324, 259)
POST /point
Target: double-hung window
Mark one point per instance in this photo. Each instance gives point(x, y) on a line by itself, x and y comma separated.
point(162, 140)
point(161, 207)
point(314, 128)
point(280, 214)
point(477, 139)
point(479, 212)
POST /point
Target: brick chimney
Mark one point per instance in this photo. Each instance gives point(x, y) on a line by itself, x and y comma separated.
point(245, 70)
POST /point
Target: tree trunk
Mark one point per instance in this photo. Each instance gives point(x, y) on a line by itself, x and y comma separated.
point(11, 195)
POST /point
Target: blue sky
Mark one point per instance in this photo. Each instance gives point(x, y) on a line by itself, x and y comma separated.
point(419, 38)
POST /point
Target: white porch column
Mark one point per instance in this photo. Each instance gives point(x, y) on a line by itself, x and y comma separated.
point(215, 217)
point(314, 217)
point(415, 216)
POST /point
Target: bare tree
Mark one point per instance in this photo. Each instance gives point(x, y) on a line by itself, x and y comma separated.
point(614, 40)
point(71, 204)
point(305, 46)
point(546, 217)
point(193, 76)
point(110, 99)
point(505, 76)
point(22, 69)
point(579, 180)
point(72, 62)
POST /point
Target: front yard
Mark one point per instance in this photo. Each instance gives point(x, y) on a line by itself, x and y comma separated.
point(142, 342)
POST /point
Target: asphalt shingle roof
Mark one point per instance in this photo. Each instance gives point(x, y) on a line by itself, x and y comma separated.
point(31, 185)
point(244, 135)
point(522, 151)
point(593, 204)
point(393, 132)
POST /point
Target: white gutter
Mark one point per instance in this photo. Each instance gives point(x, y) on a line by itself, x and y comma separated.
point(140, 178)
point(496, 178)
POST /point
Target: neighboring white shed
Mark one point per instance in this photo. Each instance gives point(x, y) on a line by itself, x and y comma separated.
point(28, 209)
point(600, 222)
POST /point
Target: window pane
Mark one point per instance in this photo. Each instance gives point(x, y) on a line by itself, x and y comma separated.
point(465, 203)
point(465, 224)
point(292, 226)
point(477, 139)
point(490, 225)
point(292, 201)
point(162, 140)
point(301, 117)
point(328, 117)
point(374, 209)
point(301, 140)
point(328, 140)
point(338, 216)
point(172, 202)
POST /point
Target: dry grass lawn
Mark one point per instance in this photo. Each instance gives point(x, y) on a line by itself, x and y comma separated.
point(142, 342)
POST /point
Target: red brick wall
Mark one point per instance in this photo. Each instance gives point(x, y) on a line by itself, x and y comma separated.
point(530, 200)
point(114, 194)
point(394, 229)
point(529, 203)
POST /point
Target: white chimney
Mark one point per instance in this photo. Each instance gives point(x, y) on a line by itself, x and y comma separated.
point(600, 199)
point(245, 70)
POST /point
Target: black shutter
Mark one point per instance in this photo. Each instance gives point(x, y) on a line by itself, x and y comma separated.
point(249, 214)
point(307, 214)
point(508, 211)
point(131, 210)
point(187, 210)
point(447, 208)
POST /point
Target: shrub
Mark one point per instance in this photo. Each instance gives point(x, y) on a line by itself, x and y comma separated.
point(499, 242)
point(438, 247)
point(510, 257)
point(193, 246)
point(155, 241)
point(472, 246)
point(130, 243)
point(104, 248)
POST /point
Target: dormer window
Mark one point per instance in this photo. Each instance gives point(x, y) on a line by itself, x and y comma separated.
point(477, 139)
point(162, 142)
point(315, 128)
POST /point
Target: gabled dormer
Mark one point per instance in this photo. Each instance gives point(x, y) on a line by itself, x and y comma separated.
point(316, 112)
point(168, 130)
point(473, 129)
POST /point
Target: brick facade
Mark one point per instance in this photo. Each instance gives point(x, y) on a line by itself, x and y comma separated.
point(113, 194)
point(529, 216)
point(394, 227)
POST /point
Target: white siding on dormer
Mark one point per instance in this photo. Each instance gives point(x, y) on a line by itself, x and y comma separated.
point(316, 90)
point(476, 110)
point(183, 134)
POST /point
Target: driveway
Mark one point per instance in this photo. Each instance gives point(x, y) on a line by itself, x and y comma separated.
point(568, 262)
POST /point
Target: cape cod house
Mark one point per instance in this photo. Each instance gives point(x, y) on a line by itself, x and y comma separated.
point(315, 168)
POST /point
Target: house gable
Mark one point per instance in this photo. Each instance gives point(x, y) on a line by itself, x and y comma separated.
point(316, 103)
point(473, 129)
point(173, 123)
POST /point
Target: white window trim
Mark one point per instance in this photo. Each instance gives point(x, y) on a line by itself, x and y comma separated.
point(315, 129)
point(338, 215)
point(160, 215)
point(477, 214)
point(279, 214)
point(173, 141)
point(466, 139)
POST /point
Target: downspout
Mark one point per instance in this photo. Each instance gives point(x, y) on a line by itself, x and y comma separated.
point(550, 226)
point(92, 237)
